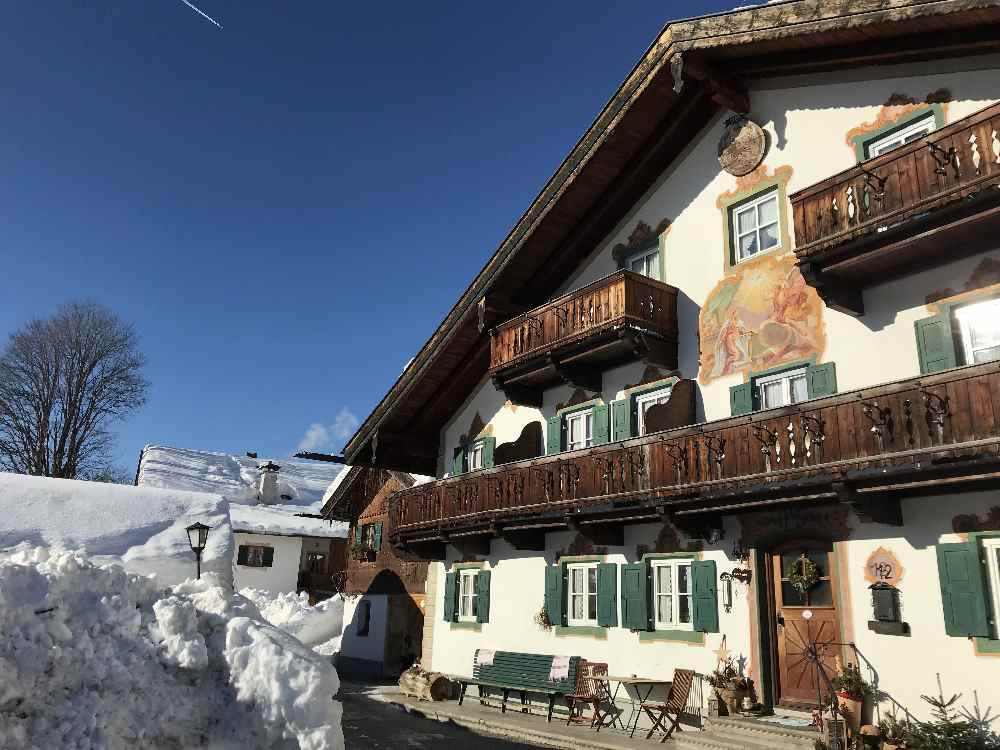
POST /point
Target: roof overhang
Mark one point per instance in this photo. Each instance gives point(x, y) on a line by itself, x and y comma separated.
point(695, 69)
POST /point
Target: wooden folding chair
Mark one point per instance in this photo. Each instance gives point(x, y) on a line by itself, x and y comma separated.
point(672, 709)
point(588, 691)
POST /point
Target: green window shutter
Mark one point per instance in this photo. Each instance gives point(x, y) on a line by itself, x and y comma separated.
point(635, 597)
point(607, 595)
point(458, 461)
point(935, 345)
point(602, 426)
point(741, 399)
point(489, 445)
point(268, 556)
point(621, 413)
point(377, 538)
point(555, 599)
point(553, 432)
point(483, 596)
point(821, 380)
point(448, 607)
point(241, 555)
point(704, 596)
point(963, 590)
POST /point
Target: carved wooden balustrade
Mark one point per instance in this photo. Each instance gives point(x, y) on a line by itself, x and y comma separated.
point(621, 299)
point(862, 437)
point(877, 219)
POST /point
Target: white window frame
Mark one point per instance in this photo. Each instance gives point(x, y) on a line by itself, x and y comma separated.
point(924, 125)
point(645, 256)
point(586, 419)
point(255, 556)
point(476, 456)
point(734, 211)
point(991, 547)
point(645, 398)
point(674, 596)
point(468, 596)
point(965, 314)
point(785, 378)
point(585, 621)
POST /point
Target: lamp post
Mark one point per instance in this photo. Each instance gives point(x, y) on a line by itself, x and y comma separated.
point(197, 537)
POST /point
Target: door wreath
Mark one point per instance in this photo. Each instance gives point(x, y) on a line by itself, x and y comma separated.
point(802, 574)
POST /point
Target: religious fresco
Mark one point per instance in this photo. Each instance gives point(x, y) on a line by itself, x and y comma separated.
point(760, 316)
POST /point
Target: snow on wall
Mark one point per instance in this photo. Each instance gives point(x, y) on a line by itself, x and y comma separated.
point(141, 526)
point(282, 519)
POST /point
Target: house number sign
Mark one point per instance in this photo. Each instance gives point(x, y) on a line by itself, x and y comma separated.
point(883, 567)
point(742, 146)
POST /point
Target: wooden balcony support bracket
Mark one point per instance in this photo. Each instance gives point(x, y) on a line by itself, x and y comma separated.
point(871, 507)
point(608, 534)
point(707, 527)
point(494, 310)
point(519, 395)
point(524, 539)
point(724, 91)
point(578, 377)
point(838, 296)
point(425, 549)
point(470, 546)
point(651, 350)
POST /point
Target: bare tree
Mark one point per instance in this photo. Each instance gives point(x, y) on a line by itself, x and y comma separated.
point(63, 381)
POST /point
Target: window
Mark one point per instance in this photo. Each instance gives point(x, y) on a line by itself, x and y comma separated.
point(672, 594)
point(782, 389)
point(255, 555)
point(582, 594)
point(476, 457)
point(467, 596)
point(647, 263)
point(646, 401)
point(755, 225)
point(980, 327)
point(316, 562)
point(579, 430)
point(368, 536)
point(363, 618)
point(910, 132)
point(992, 549)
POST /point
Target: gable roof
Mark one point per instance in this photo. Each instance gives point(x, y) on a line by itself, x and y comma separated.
point(675, 90)
point(351, 485)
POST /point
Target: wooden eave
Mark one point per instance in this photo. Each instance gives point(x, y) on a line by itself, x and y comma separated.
point(664, 103)
point(338, 505)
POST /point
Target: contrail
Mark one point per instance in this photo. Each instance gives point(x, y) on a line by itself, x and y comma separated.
point(201, 13)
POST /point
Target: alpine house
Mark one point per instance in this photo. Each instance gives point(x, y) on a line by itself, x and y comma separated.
point(735, 366)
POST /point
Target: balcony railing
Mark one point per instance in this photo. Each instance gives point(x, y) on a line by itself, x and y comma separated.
point(617, 301)
point(840, 446)
point(869, 221)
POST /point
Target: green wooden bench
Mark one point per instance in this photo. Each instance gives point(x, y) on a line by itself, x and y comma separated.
point(519, 673)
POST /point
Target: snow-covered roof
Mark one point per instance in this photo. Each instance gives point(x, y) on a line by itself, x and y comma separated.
point(142, 526)
point(236, 478)
point(282, 519)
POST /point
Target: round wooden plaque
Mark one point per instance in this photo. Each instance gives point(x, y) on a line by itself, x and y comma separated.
point(742, 146)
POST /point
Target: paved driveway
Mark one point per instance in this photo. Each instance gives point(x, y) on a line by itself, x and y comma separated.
point(372, 725)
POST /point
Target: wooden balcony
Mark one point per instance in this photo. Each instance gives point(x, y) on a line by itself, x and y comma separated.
point(922, 204)
point(867, 448)
point(573, 338)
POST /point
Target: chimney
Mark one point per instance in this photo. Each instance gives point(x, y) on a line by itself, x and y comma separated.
point(268, 494)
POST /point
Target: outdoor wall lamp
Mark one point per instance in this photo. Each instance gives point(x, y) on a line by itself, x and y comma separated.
point(197, 538)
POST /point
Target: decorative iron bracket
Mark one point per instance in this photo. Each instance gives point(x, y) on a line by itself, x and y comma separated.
point(936, 411)
point(679, 456)
point(768, 440)
point(870, 179)
point(944, 158)
point(882, 421)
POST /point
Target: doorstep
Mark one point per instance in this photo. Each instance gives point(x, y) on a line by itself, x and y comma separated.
point(514, 725)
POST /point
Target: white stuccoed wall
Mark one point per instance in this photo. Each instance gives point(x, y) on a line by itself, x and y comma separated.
point(282, 576)
point(370, 647)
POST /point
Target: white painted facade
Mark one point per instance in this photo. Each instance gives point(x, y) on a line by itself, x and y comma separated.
point(283, 574)
point(365, 645)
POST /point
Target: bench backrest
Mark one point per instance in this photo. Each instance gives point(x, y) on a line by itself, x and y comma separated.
point(530, 671)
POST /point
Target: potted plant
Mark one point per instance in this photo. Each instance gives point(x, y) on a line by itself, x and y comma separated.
point(893, 733)
point(542, 619)
point(730, 687)
point(851, 690)
point(361, 552)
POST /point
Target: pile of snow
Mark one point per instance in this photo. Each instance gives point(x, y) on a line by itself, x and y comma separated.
point(319, 626)
point(95, 657)
point(236, 478)
point(141, 526)
point(284, 519)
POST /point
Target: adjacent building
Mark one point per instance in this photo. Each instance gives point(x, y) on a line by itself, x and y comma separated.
point(731, 384)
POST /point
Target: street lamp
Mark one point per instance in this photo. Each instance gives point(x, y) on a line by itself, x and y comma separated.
point(197, 537)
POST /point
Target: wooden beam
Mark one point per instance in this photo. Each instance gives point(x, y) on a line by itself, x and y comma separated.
point(524, 539)
point(848, 300)
point(519, 395)
point(471, 546)
point(494, 310)
point(587, 378)
point(725, 91)
point(871, 507)
point(603, 534)
point(322, 457)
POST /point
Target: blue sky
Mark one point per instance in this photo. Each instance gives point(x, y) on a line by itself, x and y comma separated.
point(285, 208)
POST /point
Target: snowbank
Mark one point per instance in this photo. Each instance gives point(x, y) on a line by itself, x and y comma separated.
point(142, 526)
point(95, 657)
point(282, 519)
point(319, 626)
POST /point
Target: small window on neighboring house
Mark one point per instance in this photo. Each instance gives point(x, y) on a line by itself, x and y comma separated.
point(315, 562)
point(468, 611)
point(782, 389)
point(754, 225)
point(581, 595)
point(980, 329)
point(579, 430)
point(645, 402)
point(255, 555)
point(912, 131)
point(646, 263)
point(363, 617)
point(672, 594)
point(476, 457)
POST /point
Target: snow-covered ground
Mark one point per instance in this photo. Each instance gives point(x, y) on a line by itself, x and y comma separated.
point(95, 657)
point(319, 627)
point(141, 526)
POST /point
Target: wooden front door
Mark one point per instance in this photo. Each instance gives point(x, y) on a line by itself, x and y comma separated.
point(804, 622)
